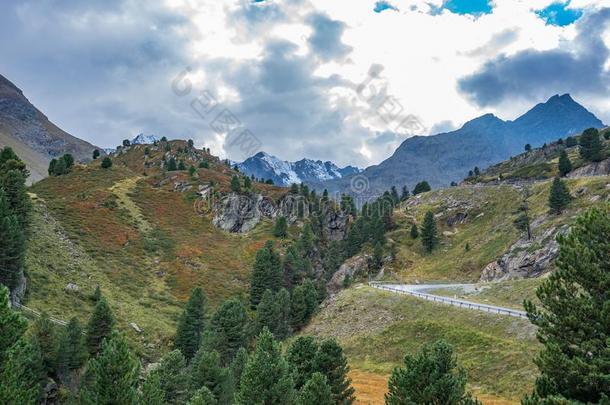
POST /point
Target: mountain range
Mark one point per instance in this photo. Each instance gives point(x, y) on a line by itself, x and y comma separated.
point(447, 157)
point(30, 133)
point(284, 173)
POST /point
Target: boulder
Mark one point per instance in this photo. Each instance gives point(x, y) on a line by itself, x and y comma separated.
point(72, 287)
point(135, 327)
point(353, 266)
point(242, 212)
point(592, 169)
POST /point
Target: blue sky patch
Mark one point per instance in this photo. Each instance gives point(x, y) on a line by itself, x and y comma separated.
point(382, 6)
point(474, 7)
point(559, 14)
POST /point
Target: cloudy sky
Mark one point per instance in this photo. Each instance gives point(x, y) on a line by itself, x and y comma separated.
point(344, 80)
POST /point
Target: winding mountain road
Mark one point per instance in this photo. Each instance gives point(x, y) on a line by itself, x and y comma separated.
point(422, 291)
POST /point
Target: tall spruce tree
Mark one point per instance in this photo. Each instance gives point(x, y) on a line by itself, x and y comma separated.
point(331, 361)
point(206, 371)
point(432, 376)
point(71, 353)
point(22, 374)
point(99, 327)
point(429, 234)
point(190, 325)
point(173, 377)
point(304, 302)
point(152, 394)
point(564, 166)
point(45, 337)
point(414, 231)
point(12, 245)
point(281, 227)
point(315, 391)
point(301, 356)
point(572, 317)
point(591, 147)
point(229, 325)
point(15, 191)
point(12, 325)
point(421, 187)
point(282, 299)
point(203, 396)
point(559, 197)
point(267, 378)
point(268, 313)
point(238, 365)
point(112, 376)
point(235, 184)
point(266, 274)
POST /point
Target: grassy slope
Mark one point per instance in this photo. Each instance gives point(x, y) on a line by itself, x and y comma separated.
point(144, 244)
point(377, 329)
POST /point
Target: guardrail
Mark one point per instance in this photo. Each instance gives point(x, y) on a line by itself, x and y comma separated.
point(38, 314)
point(452, 301)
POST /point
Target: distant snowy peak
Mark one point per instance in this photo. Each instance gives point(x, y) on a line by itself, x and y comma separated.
point(142, 139)
point(266, 166)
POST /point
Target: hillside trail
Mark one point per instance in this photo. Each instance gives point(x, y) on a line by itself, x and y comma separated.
point(121, 190)
point(423, 291)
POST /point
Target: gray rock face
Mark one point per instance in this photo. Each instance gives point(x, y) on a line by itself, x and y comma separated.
point(352, 267)
point(592, 169)
point(240, 213)
point(18, 292)
point(335, 223)
point(525, 258)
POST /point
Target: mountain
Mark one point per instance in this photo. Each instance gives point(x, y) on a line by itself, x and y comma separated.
point(30, 133)
point(486, 140)
point(266, 166)
point(142, 139)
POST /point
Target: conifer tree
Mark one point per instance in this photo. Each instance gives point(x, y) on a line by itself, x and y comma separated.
point(315, 391)
point(304, 302)
point(192, 170)
point(44, 336)
point(247, 183)
point(22, 374)
point(429, 234)
point(564, 166)
point(152, 394)
point(190, 325)
point(112, 376)
point(203, 396)
point(229, 325)
point(295, 268)
point(235, 184)
point(106, 163)
point(405, 193)
point(377, 257)
point(591, 147)
point(432, 376)
point(266, 274)
point(268, 313)
point(572, 316)
point(414, 231)
point(306, 243)
point(12, 325)
point(15, 191)
point(238, 365)
point(12, 245)
point(207, 372)
point(181, 165)
point(421, 187)
point(559, 197)
point(96, 153)
point(71, 351)
point(99, 327)
point(331, 361)
point(173, 378)
point(282, 299)
point(266, 379)
point(281, 227)
point(571, 141)
point(301, 356)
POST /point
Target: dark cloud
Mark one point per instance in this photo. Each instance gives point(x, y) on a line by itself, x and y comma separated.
point(325, 40)
point(576, 67)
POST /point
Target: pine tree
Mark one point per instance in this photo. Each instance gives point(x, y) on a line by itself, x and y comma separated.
point(429, 377)
point(559, 197)
point(99, 327)
point(429, 234)
point(71, 351)
point(282, 299)
point(268, 313)
point(44, 336)
point(207, 372)
point(235, 184)
point(421, 187)
point(106, 163)
point(591, 147)
point(203, 396)
point(247, 183)
point(564, 166)
point(294, 267)
point(331, 361)
point(96, 153)
point(152, 394)
point(315, 391)
point(414, 231)
point(192, 170)
point(304, 302)
point(266, 274)
point(16, 194)
point(571, 141)
point(266, 379)
point(12, 325)
point(377, 257)
point(22, 374)
point(173, 377)
point(572, 315)
point(97, 294)
point(190, 325)
point(112, 376)
point(229, 325)
point(281, 227)
point(238, 365)
point(528, 147)
point(301, 356)
point(405, 193)
point(181, 165)
point(12, 245)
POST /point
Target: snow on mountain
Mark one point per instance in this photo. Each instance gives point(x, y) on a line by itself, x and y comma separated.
point(266, 166)
point(142, 139)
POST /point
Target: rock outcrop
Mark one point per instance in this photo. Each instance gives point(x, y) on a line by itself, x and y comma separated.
point(592, 169)
point(525, 258)
point(242, 212)
point(352, 267)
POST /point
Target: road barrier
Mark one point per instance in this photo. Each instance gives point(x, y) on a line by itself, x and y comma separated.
point(451, 301)
point(37, 314)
